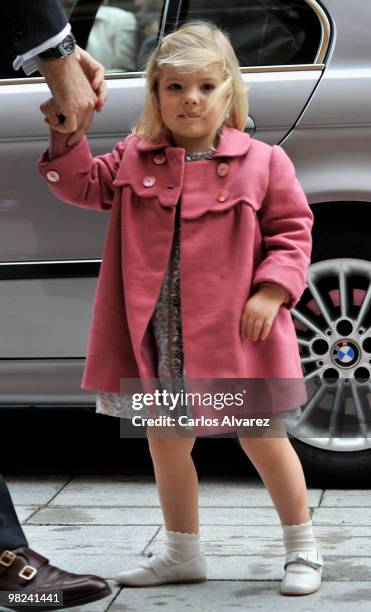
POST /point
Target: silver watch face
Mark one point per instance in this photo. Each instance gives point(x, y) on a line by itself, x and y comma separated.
point(67, 45)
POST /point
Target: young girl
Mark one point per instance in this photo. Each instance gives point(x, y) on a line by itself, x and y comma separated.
point(207, 250)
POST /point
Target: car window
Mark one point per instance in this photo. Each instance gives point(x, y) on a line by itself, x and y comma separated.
point(118, 33)
point(263, 32)
point(122, 32)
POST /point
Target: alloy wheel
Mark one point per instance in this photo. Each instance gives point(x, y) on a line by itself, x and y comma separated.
point(333, 327)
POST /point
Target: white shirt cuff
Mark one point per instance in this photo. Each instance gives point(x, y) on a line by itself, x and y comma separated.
point(28, 61)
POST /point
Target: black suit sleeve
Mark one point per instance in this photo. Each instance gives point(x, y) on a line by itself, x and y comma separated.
point(28, 23)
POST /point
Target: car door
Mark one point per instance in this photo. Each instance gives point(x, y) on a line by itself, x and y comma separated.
point(49, 251)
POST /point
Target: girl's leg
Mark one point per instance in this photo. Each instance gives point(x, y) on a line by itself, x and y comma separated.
point(177, 483)
point(280, 469)
point(176, 479)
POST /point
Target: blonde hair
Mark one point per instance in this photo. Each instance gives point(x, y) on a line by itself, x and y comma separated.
point(194, 46)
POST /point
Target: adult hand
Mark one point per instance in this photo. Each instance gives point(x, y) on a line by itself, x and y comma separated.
point(94, 71)
point(260, 311)
point(78, 88)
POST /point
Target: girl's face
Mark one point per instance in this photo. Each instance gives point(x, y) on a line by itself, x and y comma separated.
point(182, 100)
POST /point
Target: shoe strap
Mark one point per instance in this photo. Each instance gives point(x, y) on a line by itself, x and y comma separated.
point(311, 559)
point(22, 561)
point(156, 563)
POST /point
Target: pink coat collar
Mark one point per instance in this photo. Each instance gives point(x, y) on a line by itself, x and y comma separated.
point(233, 143)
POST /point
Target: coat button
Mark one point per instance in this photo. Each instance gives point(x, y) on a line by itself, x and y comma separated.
point(149, 181)
point(222, 169)
point(52, 176)
point(159, 159)
point(222, 196)
point(18, 36)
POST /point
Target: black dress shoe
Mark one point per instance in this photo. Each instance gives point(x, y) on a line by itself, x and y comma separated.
point(24, 570)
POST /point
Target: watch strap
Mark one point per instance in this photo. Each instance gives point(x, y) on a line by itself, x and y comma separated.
point(65, 48)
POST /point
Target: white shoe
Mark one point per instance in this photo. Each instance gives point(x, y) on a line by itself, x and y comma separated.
point(152, 571)
point(303, 573)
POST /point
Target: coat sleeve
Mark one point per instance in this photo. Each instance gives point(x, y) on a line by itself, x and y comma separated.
point(28, 24)
point(286, 221)
point(76, 177)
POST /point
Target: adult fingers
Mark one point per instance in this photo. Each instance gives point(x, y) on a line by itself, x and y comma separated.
point(93, 69)
point(75, 137)
point(70, 123)
point(85, 124)
point(98, 75)
point(101, 93)
point(96, 78)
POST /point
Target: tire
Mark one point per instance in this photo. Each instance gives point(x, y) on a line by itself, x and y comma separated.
point(324, 469)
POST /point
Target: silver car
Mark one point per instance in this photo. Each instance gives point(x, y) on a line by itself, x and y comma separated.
point(307, 65)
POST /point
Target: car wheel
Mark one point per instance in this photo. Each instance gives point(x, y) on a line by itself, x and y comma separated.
point(332, 435)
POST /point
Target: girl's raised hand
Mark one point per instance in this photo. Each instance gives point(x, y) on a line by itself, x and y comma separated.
point(260, 311)
point(78, 88)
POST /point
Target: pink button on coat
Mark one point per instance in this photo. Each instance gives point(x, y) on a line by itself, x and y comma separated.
point(260, 232)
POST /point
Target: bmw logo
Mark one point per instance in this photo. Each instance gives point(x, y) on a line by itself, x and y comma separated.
point(345, 353)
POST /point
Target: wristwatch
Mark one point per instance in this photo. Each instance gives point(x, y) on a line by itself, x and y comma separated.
point(65, 48)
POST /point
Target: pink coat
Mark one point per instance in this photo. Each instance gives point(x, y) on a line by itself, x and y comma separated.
point(242, 224)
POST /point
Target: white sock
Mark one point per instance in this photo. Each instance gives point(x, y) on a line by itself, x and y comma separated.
point(299, 538)
point(180, 547)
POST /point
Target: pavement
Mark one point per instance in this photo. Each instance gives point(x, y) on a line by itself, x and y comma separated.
point(103, 523)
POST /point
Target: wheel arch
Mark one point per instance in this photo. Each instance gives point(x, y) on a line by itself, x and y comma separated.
point(351, 219)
